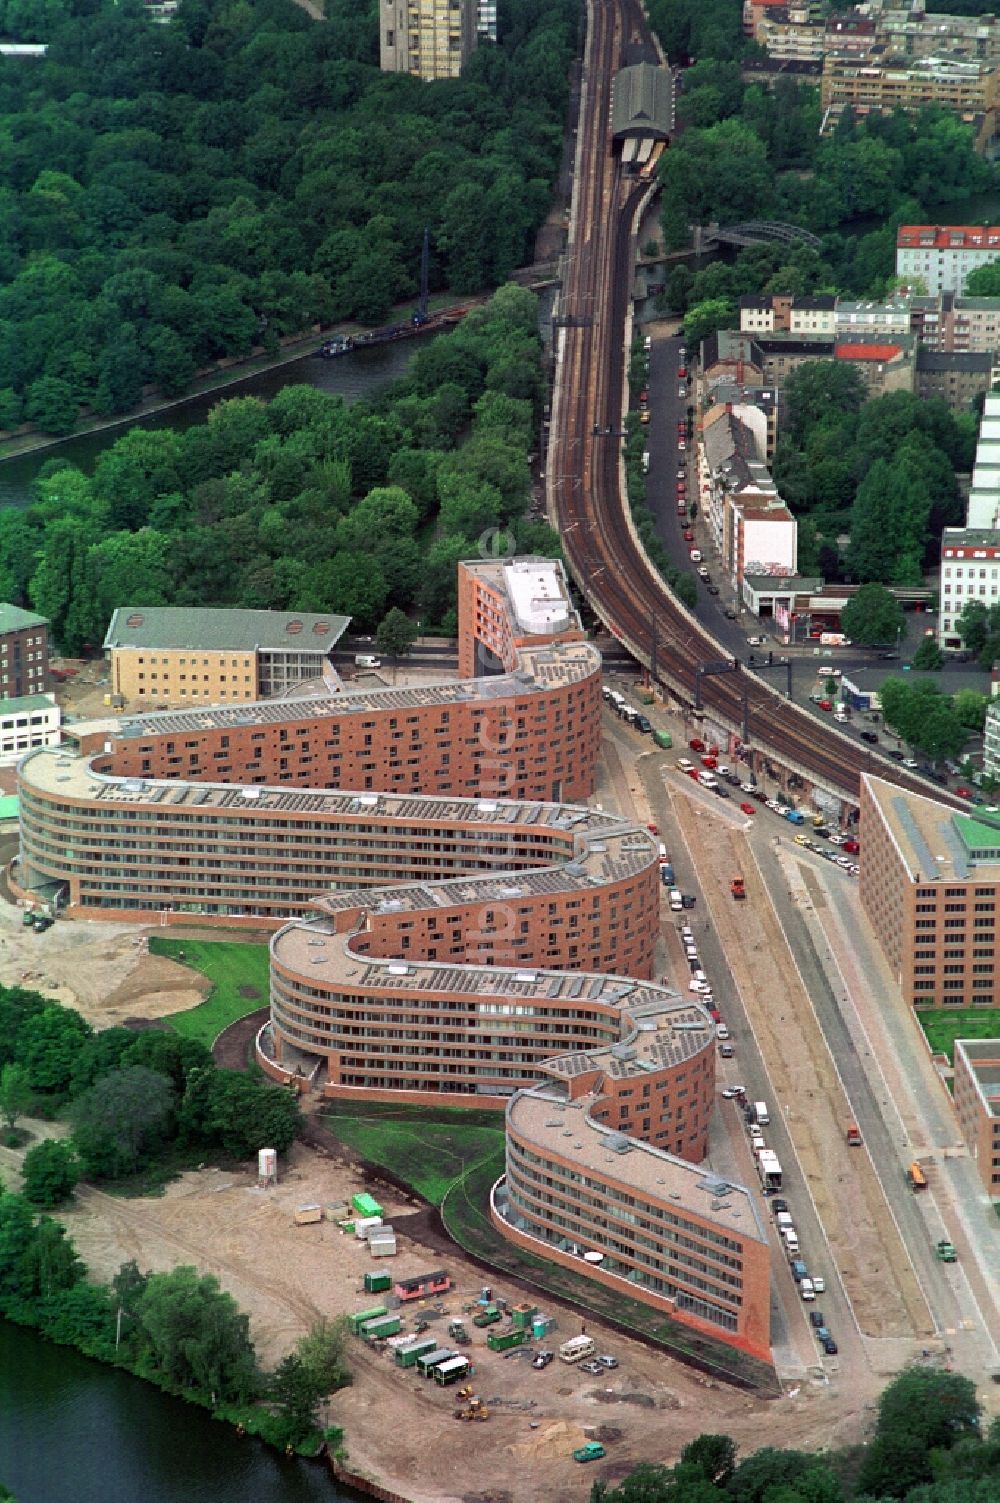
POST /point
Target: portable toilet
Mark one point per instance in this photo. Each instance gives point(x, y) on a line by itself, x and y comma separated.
point(539, 1327)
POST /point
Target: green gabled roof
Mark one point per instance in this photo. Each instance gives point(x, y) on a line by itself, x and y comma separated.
point(642, 102)
point(12, 618)
point(204, 629)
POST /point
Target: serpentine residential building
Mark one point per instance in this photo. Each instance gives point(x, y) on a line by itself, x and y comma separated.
point(452, 925)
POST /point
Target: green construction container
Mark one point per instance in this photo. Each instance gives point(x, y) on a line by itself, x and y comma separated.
point(366, 1205)
point(362, 1317)
point(377, 1283)
point(502, 1341)
point(522, 1316)
point(385, 1325)
point(664, 739)
point(406, 1356)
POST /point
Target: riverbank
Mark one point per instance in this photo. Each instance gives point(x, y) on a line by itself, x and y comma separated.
point(226, 375)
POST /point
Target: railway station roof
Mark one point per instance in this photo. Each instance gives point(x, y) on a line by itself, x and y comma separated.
point(642, 102)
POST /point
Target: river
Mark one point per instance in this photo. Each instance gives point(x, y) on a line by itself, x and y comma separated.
point(74, 1431)
point(362, 373)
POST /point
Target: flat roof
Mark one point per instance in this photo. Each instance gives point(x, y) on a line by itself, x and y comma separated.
point(541, 666)
point(937, 842)
point(206, 629)
point(545, 1116)
point(26, 702)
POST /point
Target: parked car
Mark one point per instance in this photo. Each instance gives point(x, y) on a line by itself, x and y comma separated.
point(747, 809)
point(593, 1450)
point(687, 900)
point(713, 589)
point(542, 1359)
point(591, 1367)
point(757, 641)
point(696, 744)
point(730, 614)
point(816, 1317)
point(606, 1361)
point(779, 1205)
point(695, 555)
point(819, 1284)
point(830, 1347)
point(853, 846)
point(688, 535)
point(872, 739)
point(825, 704)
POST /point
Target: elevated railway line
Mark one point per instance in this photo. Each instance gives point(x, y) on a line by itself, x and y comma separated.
point(586, 489)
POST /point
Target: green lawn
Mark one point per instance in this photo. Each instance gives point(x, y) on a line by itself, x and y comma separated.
point(428, 1149)
point(239, 976)
point(944, 1025)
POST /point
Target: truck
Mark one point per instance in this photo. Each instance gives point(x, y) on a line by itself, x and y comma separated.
point(737, 888)
point(592, 1451)
point(487, 1317)
point(853, 1135)
point(505, 1341)
point(760, 1113)
point(946, 1251)
point(769, 1169)
point(663, 739)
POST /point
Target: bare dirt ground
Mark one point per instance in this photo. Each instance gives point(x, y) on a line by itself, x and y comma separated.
point(287, 1276)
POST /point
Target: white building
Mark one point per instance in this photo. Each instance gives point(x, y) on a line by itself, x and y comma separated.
point(31, 721)
point(942, 256)
point(753, 529)
point(991, 740)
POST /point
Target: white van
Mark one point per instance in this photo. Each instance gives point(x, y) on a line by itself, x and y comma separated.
point(760, 1113)
point(676, 905)
point(791, 1241)
point(707, 781)
point(367, 660)
point(645, 461)
point(783, 1219)
point(664, 858)
point(807, 1289)
point(685, 764)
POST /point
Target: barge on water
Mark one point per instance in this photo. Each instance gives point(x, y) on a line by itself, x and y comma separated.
point(343, 344)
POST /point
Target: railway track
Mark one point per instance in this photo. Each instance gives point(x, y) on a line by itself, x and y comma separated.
point(586, 495)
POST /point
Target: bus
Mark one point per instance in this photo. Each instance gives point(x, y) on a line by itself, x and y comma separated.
point(916, 1177)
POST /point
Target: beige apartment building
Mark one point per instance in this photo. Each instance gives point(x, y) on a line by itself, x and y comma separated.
point(977, 1102)
point(930, 880)
point(163, 657)
point(966, 88)
point(429, 39)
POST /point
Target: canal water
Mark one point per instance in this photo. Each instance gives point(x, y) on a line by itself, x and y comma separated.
point(74, 1431)
point(362, 373)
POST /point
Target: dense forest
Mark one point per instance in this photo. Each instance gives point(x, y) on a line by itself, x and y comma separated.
point(172, 194)
point(301, 503)
point(927, 1447)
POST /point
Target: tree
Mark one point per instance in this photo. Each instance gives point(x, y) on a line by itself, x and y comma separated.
point(713, 1455)
point(293, 1392)
point(194, 1337)
point(238, 1113)
point(706, 317)
point(48, 1050)
point(396, 634)
point(122, 1120)
point(873, 617)
point(52, 404)
point(928, 655)
point(970, 705)
point(15, 1095)
point(50, 1173)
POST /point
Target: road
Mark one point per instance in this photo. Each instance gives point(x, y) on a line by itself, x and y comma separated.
point(821, 1036)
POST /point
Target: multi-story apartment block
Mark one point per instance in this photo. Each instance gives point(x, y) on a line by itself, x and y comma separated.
point(970, 570)
point(750, 403)
point(884, 83)
point(918, 33)
point(959, 378)
point(753, 528)
point(431, 39)
point(24, 653)
point(942, 256)
point(883, 366)
point(864, 322)
point(983, 506)
point(977, 1103)
point(991, 740)
point(595, 1178)
point(930, 885)
point(732, 356)
point(781, 313)
point(440, 939)
point(792, 33)
point(25, 723)
point(176, 655)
